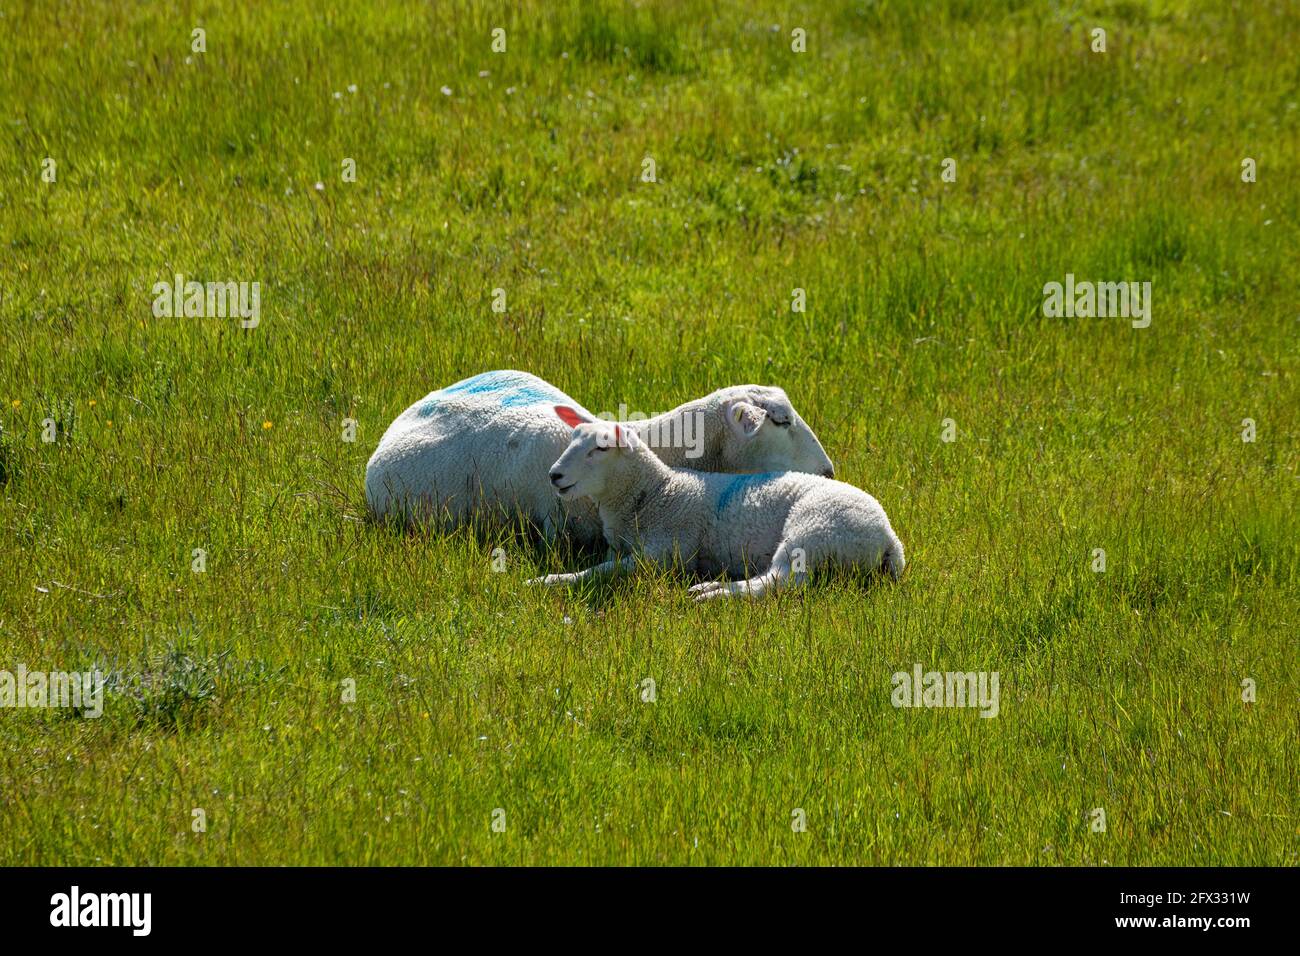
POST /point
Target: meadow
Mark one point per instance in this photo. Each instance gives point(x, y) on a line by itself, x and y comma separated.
point(496, 724)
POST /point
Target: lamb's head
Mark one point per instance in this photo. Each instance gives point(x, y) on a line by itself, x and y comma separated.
point(764, 433)
point(597, 453)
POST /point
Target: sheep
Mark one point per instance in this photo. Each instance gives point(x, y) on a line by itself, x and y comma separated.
point(781, 524)
point(483, 446)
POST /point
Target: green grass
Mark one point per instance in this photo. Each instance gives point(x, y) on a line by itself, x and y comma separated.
point(1119, 690)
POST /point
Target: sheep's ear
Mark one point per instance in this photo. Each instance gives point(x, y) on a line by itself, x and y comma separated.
point(570, 415)
point(744, 419)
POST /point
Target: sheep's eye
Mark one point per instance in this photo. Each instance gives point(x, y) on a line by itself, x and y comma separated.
point(780, 417)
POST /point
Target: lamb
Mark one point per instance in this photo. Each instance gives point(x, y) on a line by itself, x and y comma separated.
point(483, 447)
point(780, 524)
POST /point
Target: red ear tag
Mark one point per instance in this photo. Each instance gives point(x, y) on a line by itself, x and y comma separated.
point(568, 416)
point(618, 437)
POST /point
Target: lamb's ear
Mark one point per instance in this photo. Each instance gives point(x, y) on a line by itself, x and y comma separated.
point(626, 437)
point(570, 415)
point(744, 419)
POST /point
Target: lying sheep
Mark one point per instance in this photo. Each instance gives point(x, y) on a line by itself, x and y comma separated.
point(484, 446)
point(782, 524)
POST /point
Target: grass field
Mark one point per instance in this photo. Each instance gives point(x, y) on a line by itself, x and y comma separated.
point(480, 700)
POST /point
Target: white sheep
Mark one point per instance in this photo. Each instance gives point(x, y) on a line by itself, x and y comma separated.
point(767, 530)
point(483, 447)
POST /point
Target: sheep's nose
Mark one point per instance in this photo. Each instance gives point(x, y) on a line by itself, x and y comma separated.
point(829, 472)
point(556, 476)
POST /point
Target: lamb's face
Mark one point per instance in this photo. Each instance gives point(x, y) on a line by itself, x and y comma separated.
point(584, 468)
point(765, 433)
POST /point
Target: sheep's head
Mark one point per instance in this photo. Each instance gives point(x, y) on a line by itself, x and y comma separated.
point(596, 451)
point(765, 433)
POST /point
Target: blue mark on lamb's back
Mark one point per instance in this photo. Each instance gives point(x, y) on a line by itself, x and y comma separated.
point(739, 484)
point(511, 390)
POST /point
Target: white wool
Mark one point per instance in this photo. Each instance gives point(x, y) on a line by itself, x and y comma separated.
point(764, 531)
point(483, 447)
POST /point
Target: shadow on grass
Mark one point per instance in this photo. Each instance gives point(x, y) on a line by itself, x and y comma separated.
point(489, 532)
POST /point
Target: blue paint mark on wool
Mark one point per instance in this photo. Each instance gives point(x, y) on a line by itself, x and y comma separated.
point(738, 486)
point(530, 395)
point(513, 390)
point(484, 384)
